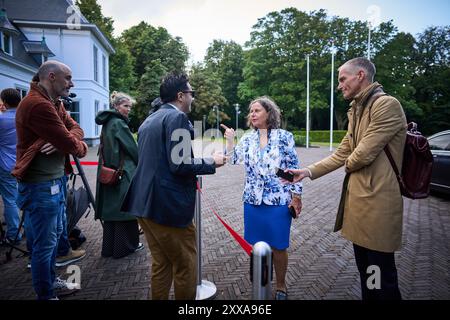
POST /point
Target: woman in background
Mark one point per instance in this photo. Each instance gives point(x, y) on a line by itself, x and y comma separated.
point(118, 149)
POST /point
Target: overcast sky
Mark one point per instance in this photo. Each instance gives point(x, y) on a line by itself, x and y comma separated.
point(198, 22)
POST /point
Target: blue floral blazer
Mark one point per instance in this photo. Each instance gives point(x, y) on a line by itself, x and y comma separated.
point(262, 185)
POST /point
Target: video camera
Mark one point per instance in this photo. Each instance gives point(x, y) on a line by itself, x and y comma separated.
point(67, 101)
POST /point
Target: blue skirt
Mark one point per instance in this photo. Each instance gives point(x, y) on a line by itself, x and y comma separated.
point(271, 224)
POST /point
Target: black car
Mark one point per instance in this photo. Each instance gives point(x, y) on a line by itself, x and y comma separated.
point(440, 148)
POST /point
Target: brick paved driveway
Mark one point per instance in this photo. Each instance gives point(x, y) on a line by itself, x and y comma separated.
point(321, 264)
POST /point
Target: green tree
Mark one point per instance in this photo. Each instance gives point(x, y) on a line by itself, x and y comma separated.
point(92, 11)
point(208, 94)
point(121, 73)
point(146, 92)
point(395, 71)
point(432, 79)
point(275, 64)
point(147, 43)
point(226, 60)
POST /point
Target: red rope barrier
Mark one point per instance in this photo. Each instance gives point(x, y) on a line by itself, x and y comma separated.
point(244, 244)
point(86, 163)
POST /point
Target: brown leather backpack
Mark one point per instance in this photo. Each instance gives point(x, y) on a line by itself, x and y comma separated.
point(414, 180)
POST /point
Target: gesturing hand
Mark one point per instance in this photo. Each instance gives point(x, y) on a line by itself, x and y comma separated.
point(229, 133)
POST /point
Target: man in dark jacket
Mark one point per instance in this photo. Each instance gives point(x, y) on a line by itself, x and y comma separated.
point(46, 135)
point(162, 192)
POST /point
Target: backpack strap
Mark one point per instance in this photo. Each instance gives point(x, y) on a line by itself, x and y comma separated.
point(374, 97)
point(394, 166)
point(388, 153)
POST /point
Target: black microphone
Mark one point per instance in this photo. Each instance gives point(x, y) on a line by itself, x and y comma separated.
point(68, 100)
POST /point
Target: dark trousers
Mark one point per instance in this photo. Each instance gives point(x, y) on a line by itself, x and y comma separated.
point(389, 281)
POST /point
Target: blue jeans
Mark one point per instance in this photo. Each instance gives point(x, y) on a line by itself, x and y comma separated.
point(43, 204)
point(63, 242)
point(8, 191)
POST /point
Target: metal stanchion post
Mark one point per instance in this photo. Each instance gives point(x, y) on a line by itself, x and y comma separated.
point(261, 271)
point(205, 289)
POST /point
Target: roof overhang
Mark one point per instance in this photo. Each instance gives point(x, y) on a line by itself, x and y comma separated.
point(39, 47)
point(91, 27)
point(5, 24)
point(11, 60)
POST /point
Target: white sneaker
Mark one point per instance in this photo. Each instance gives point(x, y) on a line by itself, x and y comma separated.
point(63, 284)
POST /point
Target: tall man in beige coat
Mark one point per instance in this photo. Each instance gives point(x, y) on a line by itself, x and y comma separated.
point(371, 207)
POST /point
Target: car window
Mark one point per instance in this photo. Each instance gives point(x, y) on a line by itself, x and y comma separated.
point(440, 143)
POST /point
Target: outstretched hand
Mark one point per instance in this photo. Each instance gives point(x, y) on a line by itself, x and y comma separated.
point(219, 159)
point(299, 175)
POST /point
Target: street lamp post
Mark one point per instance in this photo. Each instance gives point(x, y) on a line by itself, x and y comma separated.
point(204, 122)
point(368, 40)
point(307, 101)
point(333, 52)
point(216, 108)
point(236, 107)
point(373, 21)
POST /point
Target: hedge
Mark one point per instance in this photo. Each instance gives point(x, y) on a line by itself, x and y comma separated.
point(321, 135)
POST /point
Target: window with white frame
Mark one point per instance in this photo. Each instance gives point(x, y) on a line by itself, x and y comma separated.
point(97, 104)
point(104, 70)
point(75, 111)
point(6, 43)
point(95, 63)
point(23, 91)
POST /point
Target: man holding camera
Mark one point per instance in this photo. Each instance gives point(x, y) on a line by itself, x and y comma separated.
point(46, 135)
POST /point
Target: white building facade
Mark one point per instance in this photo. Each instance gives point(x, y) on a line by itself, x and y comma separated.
point(50, 36)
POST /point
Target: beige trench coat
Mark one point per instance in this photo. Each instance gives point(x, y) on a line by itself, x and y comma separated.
point(371, 203)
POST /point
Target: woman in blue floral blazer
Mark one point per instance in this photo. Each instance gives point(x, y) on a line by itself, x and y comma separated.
point(266, 199)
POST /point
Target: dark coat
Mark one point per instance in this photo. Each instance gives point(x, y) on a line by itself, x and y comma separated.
point(163, 189)
point(116, 137)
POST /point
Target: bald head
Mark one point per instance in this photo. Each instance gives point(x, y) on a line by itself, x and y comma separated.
point(52, 66)
point(56, 78)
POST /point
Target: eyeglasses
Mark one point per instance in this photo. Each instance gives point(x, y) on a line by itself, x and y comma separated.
point(192, 92)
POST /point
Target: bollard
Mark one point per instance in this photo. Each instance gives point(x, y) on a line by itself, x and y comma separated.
point(205, 289)
point(261, 271)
